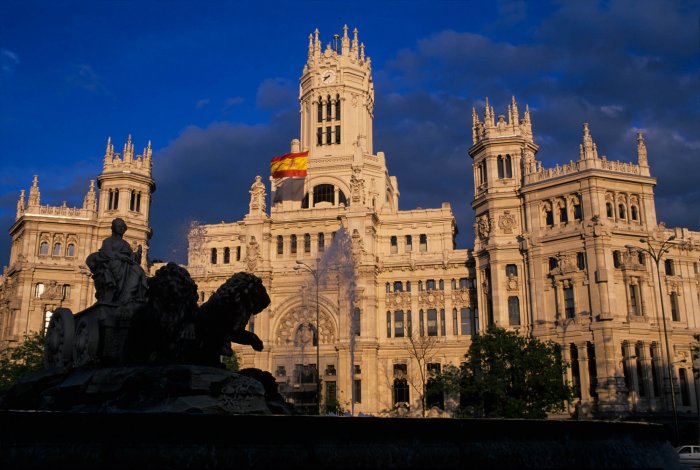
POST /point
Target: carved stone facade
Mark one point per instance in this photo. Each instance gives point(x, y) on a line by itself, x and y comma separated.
point(407, 273)
point(566, 266)
point(50, 243)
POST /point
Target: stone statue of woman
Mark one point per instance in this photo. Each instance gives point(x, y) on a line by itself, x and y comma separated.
point(116, 270)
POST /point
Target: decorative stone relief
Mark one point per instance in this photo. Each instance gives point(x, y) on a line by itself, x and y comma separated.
point(512, 283)
point(507, 222)
point(291, 331)
point(252, 255)
point(433, 298)
point(483, 226)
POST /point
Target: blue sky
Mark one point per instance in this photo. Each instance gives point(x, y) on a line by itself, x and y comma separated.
point(214, 85)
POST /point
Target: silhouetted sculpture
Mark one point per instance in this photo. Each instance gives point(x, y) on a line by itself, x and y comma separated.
point(116, 270)
point(172, 329)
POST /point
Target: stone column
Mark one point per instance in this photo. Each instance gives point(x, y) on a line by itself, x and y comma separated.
point(631, 367)
point(584, 379)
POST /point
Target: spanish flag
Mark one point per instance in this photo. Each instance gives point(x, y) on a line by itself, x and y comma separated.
point(291, 164)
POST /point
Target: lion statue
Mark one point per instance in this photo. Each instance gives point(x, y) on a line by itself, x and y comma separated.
point(172, 329)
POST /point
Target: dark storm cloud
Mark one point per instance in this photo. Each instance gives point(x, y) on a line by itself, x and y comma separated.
point(205, 175)
point(622, 67)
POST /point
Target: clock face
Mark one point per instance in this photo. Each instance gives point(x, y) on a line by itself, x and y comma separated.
point(328, 76)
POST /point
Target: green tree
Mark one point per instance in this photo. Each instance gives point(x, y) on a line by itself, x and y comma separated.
point(21, 360)
point(510, 376)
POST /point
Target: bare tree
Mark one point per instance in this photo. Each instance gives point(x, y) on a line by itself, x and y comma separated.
point(422, 350)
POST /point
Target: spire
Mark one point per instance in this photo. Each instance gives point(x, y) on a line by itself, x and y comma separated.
point(588, 148)
point(354, 47)
point(345, 41)
point(514, 111)
point(526, 124)
point(109, 153)
point(90, 200)
point(20, 204)
point(310, 53)
point(488, 114)
point(34, 194)
point(317, 44)
point(641, 150)
point(128, 149)
point(475, 126)
point(362, 51)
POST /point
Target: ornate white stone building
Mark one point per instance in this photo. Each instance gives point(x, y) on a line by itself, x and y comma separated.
point(557, 256)
point(50, 243)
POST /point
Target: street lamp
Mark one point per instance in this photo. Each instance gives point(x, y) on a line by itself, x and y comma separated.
point(656, 255)
point(314, 273)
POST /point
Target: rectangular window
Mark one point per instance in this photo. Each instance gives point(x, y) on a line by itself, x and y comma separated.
point(356, 323)
point(307, 243)
point(423, 243)
point(238, 253)
point(328, 134)
point(578, 213)
point(563, 215)
point(319, 136)
point(398, 286)
point(463, 283)
point(409, 324)
point(443, 331)
point(465, 316)
point(409, 243)
point(331, 394)
point(421, 323)
point(337, 134)
point(455, 324)
point(280, 245)
point(357, 390)
point(549, 217)
point(388, 324)
point(675, 312)
point(394, 244)
point(398, 324)
point(581, 260)
point(432, 322)
point(430, 284)
point(511, 270)
point(569, 308)
point(321, 243)
point(293, 244)
point(513, 310)
point(668, 265)
point(634, 309)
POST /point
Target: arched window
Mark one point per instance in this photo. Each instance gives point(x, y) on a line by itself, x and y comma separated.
point(227, 255)
point(321, 243)
point(420, 286)
point(509, 167)
point(39, 290)
point(324, 193)
point(388, 287)
point(501, 169)
point(305, 201)
point(668, 266)
point(138, 202)
point(44, 248)
point(553, 263)
point(441, 285)
point(57, 249)
point(617, 259)
point(563, 214)
point(578, 213)
point(401, 390)
point(328, 108)
point(634, 212)
point(337, 107)
point(621, 211)
point(293, 244)
point(213, 256)
point(341, 198)
point(408, 286)
point(320, 110)
point(609, 210)
point(65, 291)
point(70, 250)
point(280, 244)
point(307, 243)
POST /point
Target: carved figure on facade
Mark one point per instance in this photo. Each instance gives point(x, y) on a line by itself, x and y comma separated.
point(116, 269)
point(512, 283)
point(252, 255)
point(507, 222)
point(257, 196)
point(483, 226)
point(357, 186)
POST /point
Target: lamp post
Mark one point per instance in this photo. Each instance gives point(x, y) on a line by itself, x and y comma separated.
point(656, 255)
point(314, 273)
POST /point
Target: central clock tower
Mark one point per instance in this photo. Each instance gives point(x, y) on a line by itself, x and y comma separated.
point(337, 97)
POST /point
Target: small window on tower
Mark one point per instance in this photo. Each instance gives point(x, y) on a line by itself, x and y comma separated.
point(328, 109)
point(320, 110)
point(509, 167)
point(319, 136)
point(337, 134)
point(337, 109)
point(329, 137)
